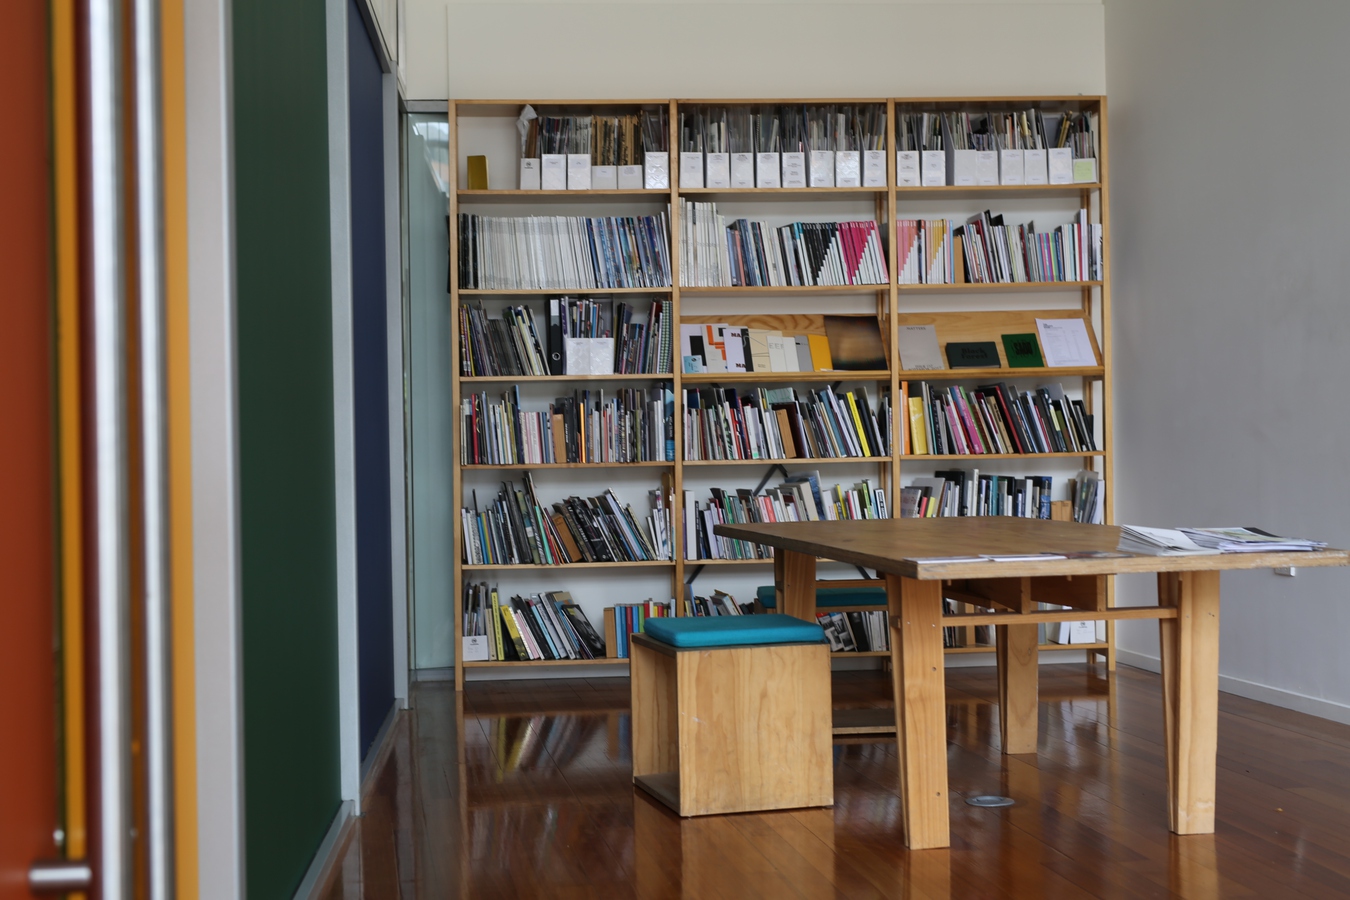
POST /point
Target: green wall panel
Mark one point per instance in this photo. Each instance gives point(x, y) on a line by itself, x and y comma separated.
point(287, 512)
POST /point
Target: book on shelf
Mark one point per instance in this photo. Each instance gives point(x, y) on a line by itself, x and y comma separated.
point(987, 250)
point(630, 425)
point(719, 603)
point(800, 498)
point(517, 529)
point(1023, 351)
point(918, 347)
point(543, 626)
point(969, 492)
point(563, 252)
point(625, 619)
point(972, 355)
point(777, 424)
point(995, 418)
point(1008, 147)
point(955, 635)
point(1088, 498)
point(754, 254)
point(856, 631)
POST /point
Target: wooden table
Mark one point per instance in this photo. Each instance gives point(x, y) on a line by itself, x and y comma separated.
point(908, 553)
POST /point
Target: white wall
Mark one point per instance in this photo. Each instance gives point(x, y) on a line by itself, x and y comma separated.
point(1232, 321)
point(565, 49)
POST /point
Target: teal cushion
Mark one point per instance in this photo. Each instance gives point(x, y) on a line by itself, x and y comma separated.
point(828, 596)
point(724, 631)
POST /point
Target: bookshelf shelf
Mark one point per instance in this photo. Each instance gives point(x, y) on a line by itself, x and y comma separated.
point(568, 567)
point(790, 289)
point(959, 313)
point(997, 287)
point(524, 663)
point(773, 377)
point(817, 461)
point(555, 292)
point(492, 196)
point(1000, 374)
point(1079, 455)
point(557, 379)
point(856, 654)
point(594, 465)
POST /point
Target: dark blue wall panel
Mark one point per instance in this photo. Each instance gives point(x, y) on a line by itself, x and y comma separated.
point(374, 572)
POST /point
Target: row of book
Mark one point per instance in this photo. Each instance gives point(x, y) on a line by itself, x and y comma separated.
point(850, 343)
point(516, 344)
point(517, 529)
point(985, 250)
point(968, 492)
point(616, 140)
point(538, 626)
point(631, 618)
point(1011, 148)
point(782, 128)
point(745, 253)
point(563, 252)
point(720, 603)
point(631, 425)
point(798, 499)
point(995, 418)
point(856, 631)
point(775, 423)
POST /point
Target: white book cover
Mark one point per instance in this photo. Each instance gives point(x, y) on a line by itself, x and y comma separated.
point(778, 356)
point(918, 346)
point(733, 345)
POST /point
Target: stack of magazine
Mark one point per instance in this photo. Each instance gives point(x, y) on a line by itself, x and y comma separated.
point(1207, 541)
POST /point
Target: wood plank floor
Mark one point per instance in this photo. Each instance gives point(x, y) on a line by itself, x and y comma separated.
point(523, 789)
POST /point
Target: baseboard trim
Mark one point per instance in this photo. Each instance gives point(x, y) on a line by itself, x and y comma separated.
point(1313, 706)
point(325, 858)
point(379, 749)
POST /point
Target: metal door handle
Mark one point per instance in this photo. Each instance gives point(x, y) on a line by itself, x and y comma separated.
point(59, 876)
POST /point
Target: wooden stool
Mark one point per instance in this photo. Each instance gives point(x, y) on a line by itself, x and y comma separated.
point(732, 714)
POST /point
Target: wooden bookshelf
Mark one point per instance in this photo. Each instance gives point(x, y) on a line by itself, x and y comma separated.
point(960, 312)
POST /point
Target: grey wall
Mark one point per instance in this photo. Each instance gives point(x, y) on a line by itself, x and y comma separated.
point(1231, 317)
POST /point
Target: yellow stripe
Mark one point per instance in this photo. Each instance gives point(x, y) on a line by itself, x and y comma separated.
point(180, 446)
point(66, 200)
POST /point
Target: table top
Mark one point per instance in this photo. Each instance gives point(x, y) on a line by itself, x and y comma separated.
point(923, 548)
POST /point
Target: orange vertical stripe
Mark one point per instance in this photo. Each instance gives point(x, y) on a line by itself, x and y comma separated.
point(180, 446)
point(66, 199)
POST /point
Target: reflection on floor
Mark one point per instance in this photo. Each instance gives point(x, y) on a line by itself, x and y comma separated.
point(523, 789)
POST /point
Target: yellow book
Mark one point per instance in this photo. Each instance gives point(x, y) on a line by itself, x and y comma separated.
point(918, 429)
point(478, 173)
point(495, 625)
point(858, 423)
point(821, 360)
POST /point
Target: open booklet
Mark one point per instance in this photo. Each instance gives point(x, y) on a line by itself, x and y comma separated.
point(1204, 541)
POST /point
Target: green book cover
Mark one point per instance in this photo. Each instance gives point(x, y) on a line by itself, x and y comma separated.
point(1023, 351)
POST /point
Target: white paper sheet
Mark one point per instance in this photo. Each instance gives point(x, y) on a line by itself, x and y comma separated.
point(1065, 342)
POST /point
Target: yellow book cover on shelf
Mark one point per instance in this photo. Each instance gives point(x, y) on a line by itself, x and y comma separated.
point(918, 429)
point(820, 352)
point(858, 423)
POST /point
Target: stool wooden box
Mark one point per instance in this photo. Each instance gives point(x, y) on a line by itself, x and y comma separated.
point(732, 728)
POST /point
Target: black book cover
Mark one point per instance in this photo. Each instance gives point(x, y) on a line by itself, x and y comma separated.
point(972, 355)
point(577, 617)
point(859, 629)
point(555, 338)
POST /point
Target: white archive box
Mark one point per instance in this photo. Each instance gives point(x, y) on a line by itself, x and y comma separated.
point(578, 171)
point(1011, 167)
point(1084, 171)
point(874, 168)
point(691, 169)
point(822, 168)
point(629, 178)
point(475, 648)
point(604, 178)
point(986, 167)
point(656, 170)
point(847, 168)
point(934, 168)
point(907, 168)
point(742, 170)
point(588, 356)
point(553, 171)
point(1061, 165)
point(768, 170)
point(717, 170)
point(962, 166)
point(529, 174)
point(794, 170)
point(1034, 169)
point(1071, 632)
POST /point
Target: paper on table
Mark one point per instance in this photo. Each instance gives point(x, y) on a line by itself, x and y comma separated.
point(1065, 342)
point(1021, 557)
point(949, 559)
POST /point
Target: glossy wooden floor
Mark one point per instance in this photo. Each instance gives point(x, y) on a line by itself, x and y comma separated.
point(520, 789)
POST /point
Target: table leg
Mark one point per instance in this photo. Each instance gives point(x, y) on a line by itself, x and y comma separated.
point(1017, 687)
point(1190, 676)
point(920, 709)
point(794, 577)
